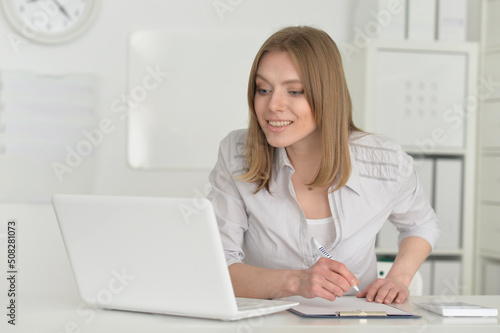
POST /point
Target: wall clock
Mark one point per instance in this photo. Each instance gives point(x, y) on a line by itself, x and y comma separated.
point(50, 21)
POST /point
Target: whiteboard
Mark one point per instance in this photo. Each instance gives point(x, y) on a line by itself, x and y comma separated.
point(186, 90)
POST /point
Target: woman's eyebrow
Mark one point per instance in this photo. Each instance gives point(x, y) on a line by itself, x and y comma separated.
point(261, 77)
point(284, 82)
point(292, 81)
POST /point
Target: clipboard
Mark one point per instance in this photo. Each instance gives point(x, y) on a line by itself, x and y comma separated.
point(346, 307)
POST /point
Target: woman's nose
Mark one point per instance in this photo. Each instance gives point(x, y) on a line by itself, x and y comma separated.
point(277, 102)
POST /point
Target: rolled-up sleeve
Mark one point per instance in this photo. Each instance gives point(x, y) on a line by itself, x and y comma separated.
point(228, 205)
point(412, 214)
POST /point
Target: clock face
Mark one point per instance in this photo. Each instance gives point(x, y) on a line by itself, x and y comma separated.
point(49, 20)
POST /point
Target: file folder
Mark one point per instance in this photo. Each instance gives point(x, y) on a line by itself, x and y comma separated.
point(447, 278)
point(448, 201)
point(422, 19)
point(452, 20)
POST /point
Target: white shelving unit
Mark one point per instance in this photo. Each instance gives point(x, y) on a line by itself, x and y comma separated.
point(410, 95)
point(488, 199)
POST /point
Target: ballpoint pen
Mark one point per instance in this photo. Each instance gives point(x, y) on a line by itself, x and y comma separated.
point(326, 254)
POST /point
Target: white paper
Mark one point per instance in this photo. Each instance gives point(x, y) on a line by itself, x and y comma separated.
point(322, 307)
point(45, 124)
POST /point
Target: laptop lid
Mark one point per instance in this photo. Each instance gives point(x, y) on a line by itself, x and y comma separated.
point(160, 255)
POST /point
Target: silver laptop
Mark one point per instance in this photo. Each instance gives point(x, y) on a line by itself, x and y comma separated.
point(149, 254)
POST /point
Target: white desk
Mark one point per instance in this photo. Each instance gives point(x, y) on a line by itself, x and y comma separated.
point(45, 270)
point(67, 314)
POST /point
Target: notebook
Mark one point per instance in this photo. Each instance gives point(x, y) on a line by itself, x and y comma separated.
point(150, 254)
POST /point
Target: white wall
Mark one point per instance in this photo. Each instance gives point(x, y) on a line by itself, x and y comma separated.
point(102, 50)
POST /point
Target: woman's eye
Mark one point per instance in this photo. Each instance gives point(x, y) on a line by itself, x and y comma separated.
point(263, 91)
point(296, 92)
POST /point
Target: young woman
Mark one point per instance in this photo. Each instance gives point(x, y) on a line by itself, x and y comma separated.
point(303, 171)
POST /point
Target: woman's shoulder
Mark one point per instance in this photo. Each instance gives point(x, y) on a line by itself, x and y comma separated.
point(373, 142)
point(235, 138)
point(232, 150)
point(378, 155)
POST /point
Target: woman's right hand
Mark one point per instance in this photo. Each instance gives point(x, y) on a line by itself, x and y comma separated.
point(327, 279)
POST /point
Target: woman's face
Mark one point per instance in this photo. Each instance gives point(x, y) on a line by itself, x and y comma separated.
point(280, 104)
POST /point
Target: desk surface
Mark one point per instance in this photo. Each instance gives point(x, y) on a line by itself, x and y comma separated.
point(68, 314)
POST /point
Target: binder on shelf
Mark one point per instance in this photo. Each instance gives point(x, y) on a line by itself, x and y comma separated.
point(490, 164)
point(448, 201)
point(492, 39)
point(490, 123)
point(489, 228)
point(391, 15)
point(452, 20)
point(422, 19)
point(447, 277)
point(387, 237)
point(425, 171)
point(426, 270)
point(491, 272)
point(492, 72)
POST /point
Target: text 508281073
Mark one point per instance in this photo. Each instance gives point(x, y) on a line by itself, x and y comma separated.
point(11, 271)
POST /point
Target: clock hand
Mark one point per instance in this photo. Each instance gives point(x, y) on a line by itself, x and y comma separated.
point(61, 8)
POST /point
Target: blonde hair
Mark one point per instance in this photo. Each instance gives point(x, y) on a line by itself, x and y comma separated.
point(319, 66)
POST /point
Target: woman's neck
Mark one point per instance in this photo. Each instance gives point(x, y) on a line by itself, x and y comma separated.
point(305, 161)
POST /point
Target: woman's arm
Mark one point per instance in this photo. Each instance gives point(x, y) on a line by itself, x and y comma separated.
point(326, 278)
point(412, 253)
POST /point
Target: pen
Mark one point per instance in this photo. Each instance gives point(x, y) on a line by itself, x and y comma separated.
point(326, 254)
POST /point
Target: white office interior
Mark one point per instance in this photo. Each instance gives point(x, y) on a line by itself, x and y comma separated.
point(137, 101)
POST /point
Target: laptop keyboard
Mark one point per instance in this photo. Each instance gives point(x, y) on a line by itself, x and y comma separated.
point(244, 305)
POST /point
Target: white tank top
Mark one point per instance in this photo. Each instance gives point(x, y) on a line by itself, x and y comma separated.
point(323, 230)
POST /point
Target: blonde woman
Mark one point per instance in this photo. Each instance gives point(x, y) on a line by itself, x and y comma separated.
point(303, 171)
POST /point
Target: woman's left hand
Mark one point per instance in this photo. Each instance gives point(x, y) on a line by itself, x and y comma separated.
point(385, 291)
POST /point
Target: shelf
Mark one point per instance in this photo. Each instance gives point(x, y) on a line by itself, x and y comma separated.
point(413, 92)
point(489, 202)
point(491, 49)
point(424, 46)
point(490, 254)
point(412, 150)
point(490, 152)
